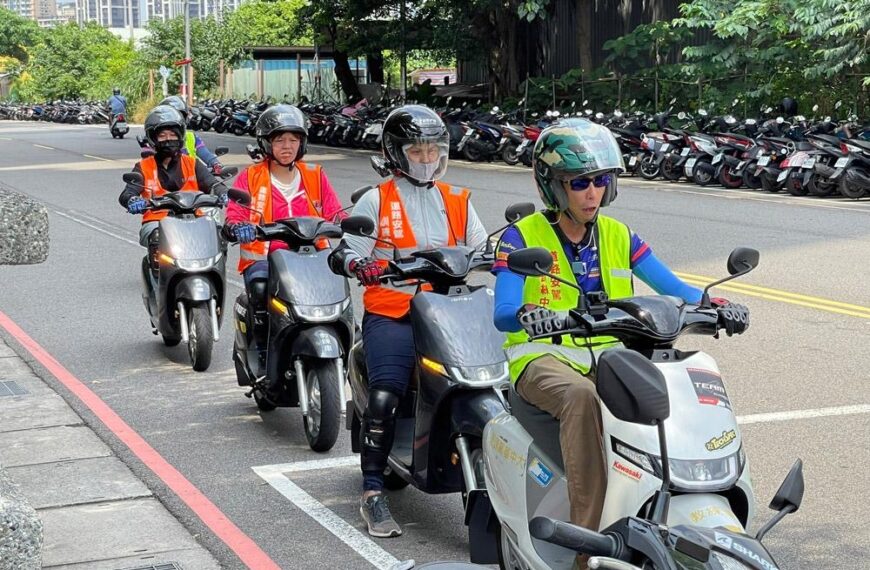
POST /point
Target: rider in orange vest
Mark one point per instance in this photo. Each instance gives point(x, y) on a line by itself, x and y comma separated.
point(415, 211)
point(167, 171)
point(281, 186)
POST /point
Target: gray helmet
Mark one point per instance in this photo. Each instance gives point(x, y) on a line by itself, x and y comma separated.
point(570, 149)
point(281, 119)
point(176, 103)
point(163, 117)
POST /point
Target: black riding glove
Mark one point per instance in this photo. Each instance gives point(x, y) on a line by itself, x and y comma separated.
point(537, 320)
point(734, 318)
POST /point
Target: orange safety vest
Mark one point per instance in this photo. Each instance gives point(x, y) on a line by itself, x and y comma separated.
point(153, 189)
point(393, 226)
point(260, 188)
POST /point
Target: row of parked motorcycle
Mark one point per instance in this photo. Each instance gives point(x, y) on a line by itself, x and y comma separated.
point(70, 112)
point(678, 496)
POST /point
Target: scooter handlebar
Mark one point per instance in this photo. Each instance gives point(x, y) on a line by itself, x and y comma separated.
point(576, 538)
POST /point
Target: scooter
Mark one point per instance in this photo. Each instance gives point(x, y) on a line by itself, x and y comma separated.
point(185, 281)
point(305, 329)
point(118, 126)
point(696, 476)
point(456, 387)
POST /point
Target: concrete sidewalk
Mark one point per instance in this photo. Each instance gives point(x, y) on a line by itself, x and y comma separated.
point(96, 513)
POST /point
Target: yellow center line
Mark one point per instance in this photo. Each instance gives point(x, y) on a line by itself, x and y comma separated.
point(785, 297)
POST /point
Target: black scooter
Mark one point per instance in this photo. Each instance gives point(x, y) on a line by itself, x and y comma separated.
point(306, 327)
point(456, 387)
point(118, 125)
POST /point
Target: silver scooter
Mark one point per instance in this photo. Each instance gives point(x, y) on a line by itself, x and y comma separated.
point(185, 282)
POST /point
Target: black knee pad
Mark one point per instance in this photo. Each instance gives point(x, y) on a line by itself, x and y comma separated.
point(378, 429)
point(257, 295)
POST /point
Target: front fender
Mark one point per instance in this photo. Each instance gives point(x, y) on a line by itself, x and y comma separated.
point(195, 288)
point(317, 342)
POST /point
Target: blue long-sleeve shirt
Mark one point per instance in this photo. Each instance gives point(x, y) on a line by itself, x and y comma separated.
point(118, 104)
point(584, 259)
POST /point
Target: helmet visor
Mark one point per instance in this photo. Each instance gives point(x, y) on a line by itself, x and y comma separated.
point(423, 159)
point(580, 148)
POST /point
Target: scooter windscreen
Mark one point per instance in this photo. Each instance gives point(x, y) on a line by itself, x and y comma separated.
point(189, 238)
point(305, 278)
point(457, 331)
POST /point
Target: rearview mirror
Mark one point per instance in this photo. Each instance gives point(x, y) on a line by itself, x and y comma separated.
point(496, 109)
point(674, 100)
point(780, 120)
point(239, 196)
point(702, 112)
point(585, 102)
point(358, 193)
point(742, 259)
point(791, 492)
point(380, 166)
point(516, 212)
point(133, 178)
point(681, 115)
point(815, 107)
point(229, 172)
point(838, 104)
point(358, 226)
point(221, 150)
point(768, 110)
point(530, 261)
point(633, 101)
point(632, 387)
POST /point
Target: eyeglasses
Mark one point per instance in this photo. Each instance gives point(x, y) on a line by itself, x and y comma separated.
point(580, 184)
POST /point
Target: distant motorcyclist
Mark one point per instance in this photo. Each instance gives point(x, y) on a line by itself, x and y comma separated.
point(576, 164)
point(117, 103)
point(414, 210)
point(167, 171)
point(193, 145)
point(281, 186)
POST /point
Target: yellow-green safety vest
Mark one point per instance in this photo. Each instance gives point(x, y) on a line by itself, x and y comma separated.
point(614, 253)
point(190, 143)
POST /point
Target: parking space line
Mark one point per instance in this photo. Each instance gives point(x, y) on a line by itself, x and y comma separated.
point(276, 476)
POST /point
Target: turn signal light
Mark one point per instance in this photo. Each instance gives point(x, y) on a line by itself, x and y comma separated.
point(435, 367)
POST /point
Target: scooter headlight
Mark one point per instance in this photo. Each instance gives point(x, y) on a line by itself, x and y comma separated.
point(320, 313)
point(696, 475)
point(193, 264)
point(488, 375)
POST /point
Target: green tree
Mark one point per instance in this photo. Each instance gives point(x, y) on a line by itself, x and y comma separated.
point(842, 32)
point(17, 34)
point(265, 23)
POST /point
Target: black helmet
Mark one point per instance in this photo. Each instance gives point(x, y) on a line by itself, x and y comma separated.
point(176, 103)
point(409, 125)
point(789, 107)
point(116, 91)
point(163, 117)
point(281, 119)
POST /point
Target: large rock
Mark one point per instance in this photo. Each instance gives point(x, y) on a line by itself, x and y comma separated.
point(20, 529)
point(23, 229)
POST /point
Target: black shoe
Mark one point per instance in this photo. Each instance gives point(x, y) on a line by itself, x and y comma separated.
point(376, 514)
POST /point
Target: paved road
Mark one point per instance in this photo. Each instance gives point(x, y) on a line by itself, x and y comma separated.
point(807, 350)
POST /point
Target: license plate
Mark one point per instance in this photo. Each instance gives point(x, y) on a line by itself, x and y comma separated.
point(782, 176)
point(841, 162)
point(684, 152)
point(809, 163)
point(717, 158)
point(522, 146)
point(691, 162)
point(665, 147)
point(632, 161)
point(764, 161)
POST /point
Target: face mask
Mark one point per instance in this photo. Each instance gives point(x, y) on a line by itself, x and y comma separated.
point(423, 172)
point(167, 148)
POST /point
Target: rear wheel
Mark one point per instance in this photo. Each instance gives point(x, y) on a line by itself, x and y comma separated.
point(794, 184)
point(509, 154)
point(670, 171)
point(750, 180)
point(200, 339)
point(324, 408)
point(728, 180)
point(648, 168)
point(768, 183)
point(850, 189)
point(702, 173)
point(471, 152)
point(821, 187)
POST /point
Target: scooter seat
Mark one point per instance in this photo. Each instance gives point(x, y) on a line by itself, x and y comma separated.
point(541, 426)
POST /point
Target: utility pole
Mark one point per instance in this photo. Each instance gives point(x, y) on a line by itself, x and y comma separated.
point(130, 17)
point(403, 65)
point(186, 80)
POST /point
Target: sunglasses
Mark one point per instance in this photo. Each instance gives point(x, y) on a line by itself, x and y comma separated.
point(580, 184)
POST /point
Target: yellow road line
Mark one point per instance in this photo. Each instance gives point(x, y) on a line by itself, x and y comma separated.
point(785, 297)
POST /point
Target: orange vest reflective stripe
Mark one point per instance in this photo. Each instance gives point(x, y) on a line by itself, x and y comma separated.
point(153, 189)
point(393, 226)
point(260, 188)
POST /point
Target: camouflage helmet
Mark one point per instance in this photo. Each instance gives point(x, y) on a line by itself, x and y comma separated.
point(574, 148)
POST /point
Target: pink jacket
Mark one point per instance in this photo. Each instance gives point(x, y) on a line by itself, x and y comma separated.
point(280, 209)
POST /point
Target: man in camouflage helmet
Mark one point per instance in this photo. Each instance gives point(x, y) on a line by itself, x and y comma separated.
point(576, 164)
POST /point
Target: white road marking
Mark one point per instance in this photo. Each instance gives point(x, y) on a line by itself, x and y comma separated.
point(98, 157)
point(93, 227)
point(43, 146)
point(803, 414)
point(276, 476)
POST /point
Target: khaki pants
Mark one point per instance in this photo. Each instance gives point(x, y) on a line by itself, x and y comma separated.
point(570, 397)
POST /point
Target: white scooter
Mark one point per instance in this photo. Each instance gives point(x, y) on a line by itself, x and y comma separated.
point(704, 484)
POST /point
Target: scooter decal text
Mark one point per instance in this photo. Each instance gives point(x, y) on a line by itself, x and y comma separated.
point(709, 388)
point(627, 471)
point(722, 441)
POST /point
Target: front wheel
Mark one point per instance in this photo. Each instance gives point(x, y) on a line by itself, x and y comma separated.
point(200, 339)
point(509, 154)
point(324, 408)
point(728, 180)
point(702, 173)
point(670, 171)
point(472, 152)
point(648, 168)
